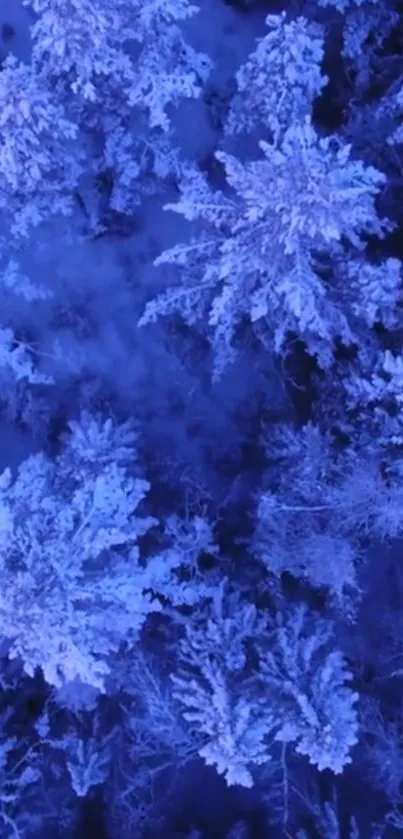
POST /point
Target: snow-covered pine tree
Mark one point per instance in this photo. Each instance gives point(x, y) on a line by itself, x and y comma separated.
point(278, 83)
point(40, 159)
point(212, 685)
point(137, 65)
point(73, 585)
point(307, 682)
point(256, 258)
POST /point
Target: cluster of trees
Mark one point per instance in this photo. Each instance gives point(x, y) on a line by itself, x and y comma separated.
point(200, 557)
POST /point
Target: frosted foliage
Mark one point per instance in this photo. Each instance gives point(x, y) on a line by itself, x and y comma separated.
point(224, 635)
point(39, 162)
point(280, 80)
point(344, 5)
point(392, 367)
point(314, 701)
point(16, 358)
point(19, 775)
point(235, 728)
point(87, 762)
point(395, 105)
point(369, 22)
point(376, 291)
point(176, 567)
point(167, 68)
point(332, 826)
point(212, 688)
point(70, 593)
point(80, 40)
point(384, 384)
point(297, 542)
point(306, 527)
point(76, 697)
point(377, 390)
point(299, 695)
point(139, 159)
point(84, 41)
point(396, 138)
point(13, 279)
point(257, 262)
point(239, 270)
point(90, 442)
point(373, 504)
point(321, 194)
point(312, 526)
